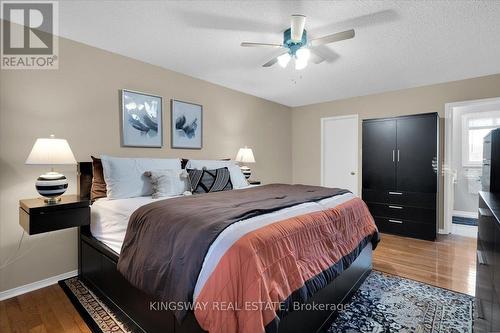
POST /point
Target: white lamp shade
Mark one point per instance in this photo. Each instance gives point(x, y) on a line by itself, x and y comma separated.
point(245, 155)
point(51, 151)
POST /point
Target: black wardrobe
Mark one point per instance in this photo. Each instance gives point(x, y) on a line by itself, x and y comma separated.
point(400, 179)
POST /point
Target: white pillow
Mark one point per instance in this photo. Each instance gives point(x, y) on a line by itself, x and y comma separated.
point(237, 177)
point(125, 176)
point(167, 183)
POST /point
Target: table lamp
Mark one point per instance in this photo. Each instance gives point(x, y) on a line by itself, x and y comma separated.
point(245, 155)
point(51, 151)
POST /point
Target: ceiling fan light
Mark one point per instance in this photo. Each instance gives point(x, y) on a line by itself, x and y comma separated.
point(284, 59)
point(300, 64)
point(303, 54)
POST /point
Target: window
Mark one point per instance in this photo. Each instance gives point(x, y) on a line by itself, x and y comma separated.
point(475, 127)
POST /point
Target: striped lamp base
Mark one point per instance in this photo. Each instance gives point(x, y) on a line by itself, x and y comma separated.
point(51, 185)
point(246, 171)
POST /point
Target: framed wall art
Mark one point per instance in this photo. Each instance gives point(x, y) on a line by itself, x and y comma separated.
point(142, 119)
point(187, 125)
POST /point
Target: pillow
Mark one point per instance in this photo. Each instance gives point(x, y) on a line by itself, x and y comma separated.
point(204, 181)
point(237, 177)
point(166, 183)
point(238, 180)
point(125, 178)
point(98, 188)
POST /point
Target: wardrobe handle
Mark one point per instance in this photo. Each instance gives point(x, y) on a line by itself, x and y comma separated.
point(398, 155)
point(393, 156)
point(396, 207)
point(396, 193)
point(396, 221)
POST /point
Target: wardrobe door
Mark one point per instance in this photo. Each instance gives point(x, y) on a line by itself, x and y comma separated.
point(416, 150)
point(379, 144)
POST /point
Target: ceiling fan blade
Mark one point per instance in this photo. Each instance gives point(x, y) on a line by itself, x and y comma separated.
point(316, 57)
point(297, 27)
point(249, 44)
point(273, 60)
point(333, 38)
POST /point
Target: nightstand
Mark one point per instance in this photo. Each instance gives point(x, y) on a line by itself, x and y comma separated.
point(254, 182)
point(36, 217)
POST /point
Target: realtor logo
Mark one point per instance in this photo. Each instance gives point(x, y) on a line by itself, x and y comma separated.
point(29, 35)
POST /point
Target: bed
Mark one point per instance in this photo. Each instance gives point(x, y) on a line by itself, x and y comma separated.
point(99, 264)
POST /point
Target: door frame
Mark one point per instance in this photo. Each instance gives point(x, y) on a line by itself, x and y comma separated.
point(448, 188)
point(356, 141)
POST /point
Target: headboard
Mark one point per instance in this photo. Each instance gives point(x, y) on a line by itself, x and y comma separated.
point(84, 179)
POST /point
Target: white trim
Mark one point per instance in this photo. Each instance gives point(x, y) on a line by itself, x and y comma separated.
point(466, 162)
point(442, 232)
point(356, 138)
point(448, 157)
point(464, 230)
point(448, 190)
point(460, 213)
point(35, 285)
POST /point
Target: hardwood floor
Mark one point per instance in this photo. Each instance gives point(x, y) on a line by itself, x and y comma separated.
point(43, 310)
point(450, 263)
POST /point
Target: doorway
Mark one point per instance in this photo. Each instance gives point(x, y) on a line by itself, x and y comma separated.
point(339, 152)
point(466, 124)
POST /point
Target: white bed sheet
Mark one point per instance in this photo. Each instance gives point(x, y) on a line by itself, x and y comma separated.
point(109, 218)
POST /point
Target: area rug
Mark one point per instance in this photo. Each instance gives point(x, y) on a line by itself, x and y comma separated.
point(384, 303)
point(100, 316)
point(387, 303)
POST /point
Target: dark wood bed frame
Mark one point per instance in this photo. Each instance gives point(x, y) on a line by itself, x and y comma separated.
point(97, 267)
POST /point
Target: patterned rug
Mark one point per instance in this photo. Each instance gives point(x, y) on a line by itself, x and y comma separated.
point(387, 303)
point(99, 316)
point(384, 303)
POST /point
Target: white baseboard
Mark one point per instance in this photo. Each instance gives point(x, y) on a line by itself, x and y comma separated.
point(35, 285)
point(472, 215)
point(464, 230)
point(442, 232)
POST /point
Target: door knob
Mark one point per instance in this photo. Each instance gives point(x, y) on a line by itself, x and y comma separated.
point(353, 173)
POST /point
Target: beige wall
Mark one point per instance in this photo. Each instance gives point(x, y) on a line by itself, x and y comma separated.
point(306, 141)
point(80, 102)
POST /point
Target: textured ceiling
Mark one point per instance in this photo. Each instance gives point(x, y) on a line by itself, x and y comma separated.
point(398, 44)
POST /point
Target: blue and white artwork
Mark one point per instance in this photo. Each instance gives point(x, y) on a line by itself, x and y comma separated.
point(142, 119)
point(187, 129)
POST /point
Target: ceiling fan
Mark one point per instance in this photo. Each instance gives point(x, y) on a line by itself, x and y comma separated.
point(296, 45)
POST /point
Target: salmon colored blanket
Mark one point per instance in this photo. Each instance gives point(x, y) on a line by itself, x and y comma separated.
point(264, 267)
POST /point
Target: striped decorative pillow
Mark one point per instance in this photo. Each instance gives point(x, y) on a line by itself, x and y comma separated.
point(205, 181)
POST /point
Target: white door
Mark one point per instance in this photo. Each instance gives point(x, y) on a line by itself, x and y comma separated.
point(339, 152)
